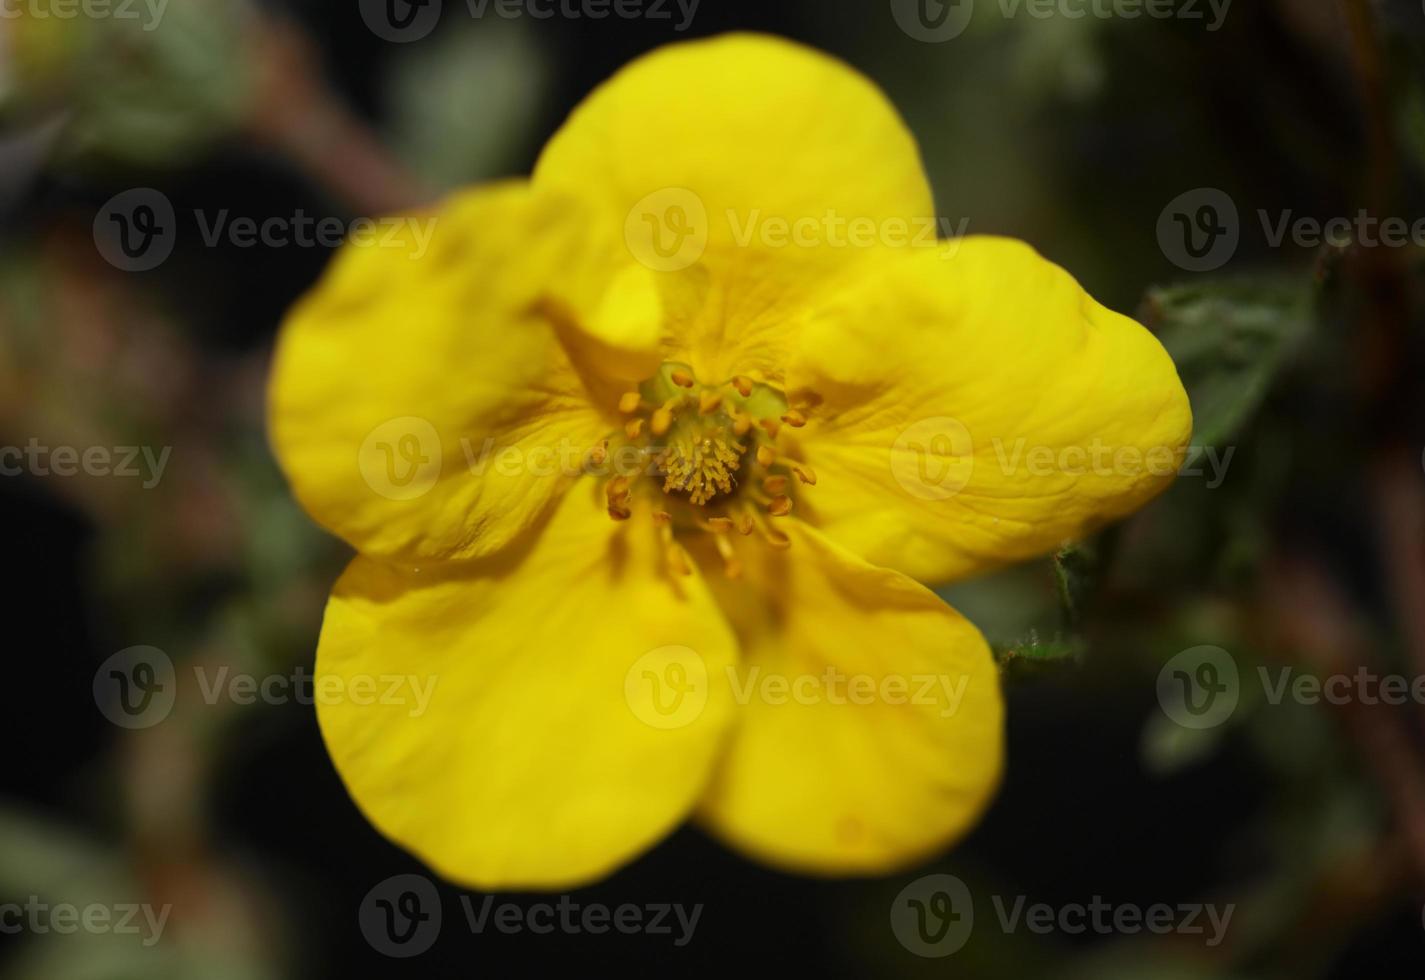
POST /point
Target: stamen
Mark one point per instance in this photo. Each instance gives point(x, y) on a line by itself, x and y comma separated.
point(617, 493)
point(702, 466)
point(678, 560)
point(662, 420)
point(772, 536)
point(700, 455)
point(731, 567)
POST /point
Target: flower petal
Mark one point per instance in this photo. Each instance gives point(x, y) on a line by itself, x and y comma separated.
point(709, 157)
point(424, 401)
point(870, 732)
point(978, 407)
point(535, 763)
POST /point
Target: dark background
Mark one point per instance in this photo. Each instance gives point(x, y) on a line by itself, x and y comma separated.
point(1071, 134)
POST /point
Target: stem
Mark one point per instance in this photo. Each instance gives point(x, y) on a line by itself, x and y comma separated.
point(296, 112)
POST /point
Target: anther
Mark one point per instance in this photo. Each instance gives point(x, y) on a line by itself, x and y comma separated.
point(743, 384)
point(765, 455)
point(780, 506)
point(678, 559)
point(617, 493)
point(599, 453)
point(772, 426)
point(805, 473)
point(741, 425)
point(634, 428)
point(681, 378)
point(775, 485)
point(778, 540)
point(795, 419)
point(730, 565)
point(662, 421)
point(719, 525)
point(628, 403)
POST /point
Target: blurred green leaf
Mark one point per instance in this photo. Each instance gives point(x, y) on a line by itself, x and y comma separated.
point(1167, 747)
point(1229, 339)
point(1076, 569)
point(1033, 655)
point(466, 108)
point(157, 95)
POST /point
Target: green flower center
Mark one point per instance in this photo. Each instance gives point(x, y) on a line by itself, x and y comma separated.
point(714, 447)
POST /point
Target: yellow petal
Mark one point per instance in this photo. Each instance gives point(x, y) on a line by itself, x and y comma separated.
point(978, 407)
point(870, 730)
point(424, 402)
point(733, 167)
point(552, 748)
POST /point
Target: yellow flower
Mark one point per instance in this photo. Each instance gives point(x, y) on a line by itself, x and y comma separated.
point(718, 273)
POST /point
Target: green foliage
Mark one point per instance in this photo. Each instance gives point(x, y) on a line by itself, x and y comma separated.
point(1230, 338)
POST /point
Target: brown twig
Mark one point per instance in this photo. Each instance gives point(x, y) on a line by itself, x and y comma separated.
point(1314, 619)
point(295, 111)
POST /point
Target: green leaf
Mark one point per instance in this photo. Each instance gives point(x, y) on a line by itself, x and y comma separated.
point(1032, 655)
point(1075, 575)
point(1229, 339)
point(467, 105)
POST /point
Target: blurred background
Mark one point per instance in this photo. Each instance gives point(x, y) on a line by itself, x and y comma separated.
point(1155, 155)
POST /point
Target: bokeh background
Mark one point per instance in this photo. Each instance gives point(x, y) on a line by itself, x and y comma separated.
point(1304, 360)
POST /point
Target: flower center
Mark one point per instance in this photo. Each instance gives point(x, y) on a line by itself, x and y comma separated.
point(714, 449)
point(702, 462)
